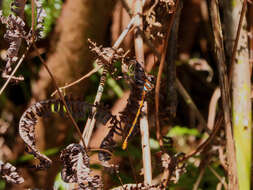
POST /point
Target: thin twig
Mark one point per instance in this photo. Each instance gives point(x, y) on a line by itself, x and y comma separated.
point(79, 80)
point(187, 98)
point(20, 78)
point(138, 41)
point(204, 144)
point(174, 18)
point(212, 108)
point(60, 95)
point(201, 174)
point(221, 179)
point(124, 33)
point(222, 158)
point(157, 86)
point(14, 71)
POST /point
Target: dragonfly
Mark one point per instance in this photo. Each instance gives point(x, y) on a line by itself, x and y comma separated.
point(148, 86)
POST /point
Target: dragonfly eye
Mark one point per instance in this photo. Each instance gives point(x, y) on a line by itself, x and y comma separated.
point(151, 79)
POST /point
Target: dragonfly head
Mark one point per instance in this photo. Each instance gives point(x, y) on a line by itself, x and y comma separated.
point(149, 83)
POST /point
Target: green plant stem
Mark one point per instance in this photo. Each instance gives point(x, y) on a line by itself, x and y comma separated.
point(237, 40)
point(144, 127)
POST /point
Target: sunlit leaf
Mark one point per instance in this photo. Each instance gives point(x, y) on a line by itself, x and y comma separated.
point(6, 7)
point(180, 131)
point(154, 144)
point(59, 184)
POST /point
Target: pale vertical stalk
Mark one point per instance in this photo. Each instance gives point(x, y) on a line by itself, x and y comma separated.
point(138, 41)
point(250, 16)
point(241, 88)
point(139, 53)
point(200, 177)
point(91, 122)
point(241, 110)
point(146, 155)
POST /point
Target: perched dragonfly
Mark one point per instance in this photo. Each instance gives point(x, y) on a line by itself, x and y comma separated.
point(147, 87)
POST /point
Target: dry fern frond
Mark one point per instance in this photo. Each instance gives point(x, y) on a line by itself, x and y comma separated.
point(44, 109)
point(76, 168)
point(15, 31)
point(9, 173)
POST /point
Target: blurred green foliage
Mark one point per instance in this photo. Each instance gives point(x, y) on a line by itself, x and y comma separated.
point(59, 184)
point(2, 184)
point(187, 180)
point(180, 131)
point(154, 144)
point(6, 7)
point(175, 132)
point(52, 8)
point(28, 157)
